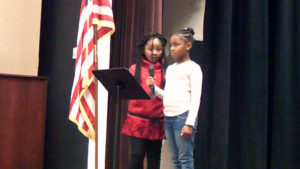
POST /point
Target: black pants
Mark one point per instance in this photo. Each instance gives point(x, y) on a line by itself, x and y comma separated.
point(140, 148)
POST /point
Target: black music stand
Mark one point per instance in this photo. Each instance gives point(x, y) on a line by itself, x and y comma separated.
point(121, 85)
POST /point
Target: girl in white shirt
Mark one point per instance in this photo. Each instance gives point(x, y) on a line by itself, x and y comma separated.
point(181, 99)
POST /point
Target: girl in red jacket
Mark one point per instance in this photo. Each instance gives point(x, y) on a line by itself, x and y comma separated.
point(145, 119)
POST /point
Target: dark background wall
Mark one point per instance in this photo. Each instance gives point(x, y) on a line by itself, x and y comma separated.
point(65, 146)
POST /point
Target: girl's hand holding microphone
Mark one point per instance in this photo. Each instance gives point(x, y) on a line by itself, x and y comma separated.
point(150, 81)
point(186, 130)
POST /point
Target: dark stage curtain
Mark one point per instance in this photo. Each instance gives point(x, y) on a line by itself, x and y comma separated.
point(251, 62)
point(132, 19)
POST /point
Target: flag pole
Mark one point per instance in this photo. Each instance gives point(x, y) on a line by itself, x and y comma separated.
point(96, 94)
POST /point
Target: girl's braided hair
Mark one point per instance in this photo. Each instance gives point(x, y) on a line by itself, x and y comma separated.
point(187, 34)
point(141, 53)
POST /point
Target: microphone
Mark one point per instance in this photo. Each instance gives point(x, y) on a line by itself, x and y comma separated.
point(151, 73)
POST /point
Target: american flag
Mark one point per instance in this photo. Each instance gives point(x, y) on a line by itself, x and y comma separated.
point(83, 96)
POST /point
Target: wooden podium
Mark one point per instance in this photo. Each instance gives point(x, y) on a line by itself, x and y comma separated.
point(22, 121)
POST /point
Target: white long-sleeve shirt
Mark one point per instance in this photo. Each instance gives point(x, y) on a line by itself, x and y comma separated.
point(182, 90)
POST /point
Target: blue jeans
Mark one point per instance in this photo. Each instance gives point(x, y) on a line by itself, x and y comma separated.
point(181, 148)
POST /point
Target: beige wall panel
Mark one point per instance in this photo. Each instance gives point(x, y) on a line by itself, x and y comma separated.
point(178, 14)
point(19, 36)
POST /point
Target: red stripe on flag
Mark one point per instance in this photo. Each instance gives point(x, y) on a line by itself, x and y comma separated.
point(105, 18)
point(103, 31)
point(102, 3)
point(88, 111)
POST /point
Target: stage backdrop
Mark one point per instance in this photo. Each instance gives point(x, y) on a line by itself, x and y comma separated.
point(19, 36)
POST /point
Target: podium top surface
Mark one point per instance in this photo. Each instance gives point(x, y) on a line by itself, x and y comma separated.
point(113, 78)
